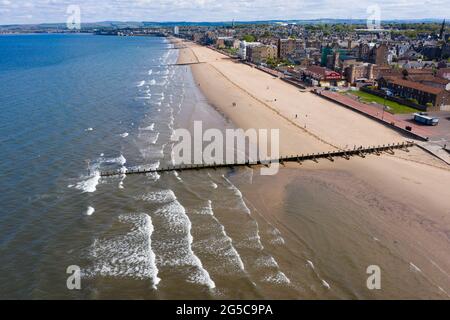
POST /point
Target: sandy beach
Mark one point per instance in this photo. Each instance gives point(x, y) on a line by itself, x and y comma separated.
point(398, 206)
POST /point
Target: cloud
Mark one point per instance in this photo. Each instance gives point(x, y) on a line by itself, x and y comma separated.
point(35, 11)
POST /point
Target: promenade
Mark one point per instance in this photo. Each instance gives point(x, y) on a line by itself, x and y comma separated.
point(375, 113)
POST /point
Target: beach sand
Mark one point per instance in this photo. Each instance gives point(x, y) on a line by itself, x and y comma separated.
point(342, 216)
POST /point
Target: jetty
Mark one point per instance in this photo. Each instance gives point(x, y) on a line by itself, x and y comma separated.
point(346, 154)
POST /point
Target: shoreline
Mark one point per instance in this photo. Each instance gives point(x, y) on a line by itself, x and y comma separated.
point(255, 99)
point(396, 181)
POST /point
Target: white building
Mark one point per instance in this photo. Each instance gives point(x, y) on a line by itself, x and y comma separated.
point(243, 45)
point(176, 30)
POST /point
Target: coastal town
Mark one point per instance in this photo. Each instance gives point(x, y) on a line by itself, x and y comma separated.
point(408, 67)
point(397, 72)
point(361, 116)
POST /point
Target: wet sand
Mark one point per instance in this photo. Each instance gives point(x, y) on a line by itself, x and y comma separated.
point(337, 218)
point(354, 213)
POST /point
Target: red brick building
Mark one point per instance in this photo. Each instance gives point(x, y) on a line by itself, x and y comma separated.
point(425, 95)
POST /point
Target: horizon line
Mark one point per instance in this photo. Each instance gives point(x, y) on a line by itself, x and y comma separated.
point(219, 21)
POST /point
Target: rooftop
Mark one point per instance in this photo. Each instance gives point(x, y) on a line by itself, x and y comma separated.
point(413, 85)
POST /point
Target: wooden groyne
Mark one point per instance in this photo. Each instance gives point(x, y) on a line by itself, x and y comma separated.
point(185, 63)
point(346, 154)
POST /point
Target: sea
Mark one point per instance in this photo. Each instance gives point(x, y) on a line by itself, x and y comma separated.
point(75, 105)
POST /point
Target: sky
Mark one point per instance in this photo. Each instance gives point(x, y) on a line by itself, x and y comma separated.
point(39, 11)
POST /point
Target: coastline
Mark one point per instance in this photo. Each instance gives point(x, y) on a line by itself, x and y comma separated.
point(408, 192)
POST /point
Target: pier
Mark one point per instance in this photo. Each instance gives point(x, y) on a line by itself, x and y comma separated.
point(346, 154)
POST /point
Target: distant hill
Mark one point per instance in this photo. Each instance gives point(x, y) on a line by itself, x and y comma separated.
point(148, 24)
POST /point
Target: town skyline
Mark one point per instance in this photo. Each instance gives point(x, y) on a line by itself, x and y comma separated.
point(55, 11)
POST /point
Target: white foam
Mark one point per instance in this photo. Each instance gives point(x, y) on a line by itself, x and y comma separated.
point(89, 211)
point(122, 177)
point(177, 175)
point(90, 183)
point(153, 175)
point(88, 129)
point(179, 224)
point(325, 284)
point(310, 264)
point(266, 261)
point(254, 240)
point(238, 193)
point(148, 128)
point(162, 196)
point(119, 160)
point(123, 170)
point(277, 238)
point(206, 209)
point(141, 84)
point(154, 138)
point(226, 245)
point(130, 255)
point(150, 72)
point(124, 135)
point(277, 278)
point(152, 82)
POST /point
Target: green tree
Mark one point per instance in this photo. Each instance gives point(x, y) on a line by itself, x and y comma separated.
point(249, 38)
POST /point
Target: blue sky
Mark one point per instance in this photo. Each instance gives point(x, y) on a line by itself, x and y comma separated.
point(37, 11)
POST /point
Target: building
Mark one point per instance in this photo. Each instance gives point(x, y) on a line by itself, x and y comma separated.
point(443, 73)
point(374, 53)
point(220, 43)
point(231, 42)
point(429, 80)
point(261, 53)
point(197, 37)
point(243, 46)
point(359, 72)
point(333, 61)
point(290, 48)
point(176, 30)
point(432, 97)
point(385, 71)
point(323, 77)
point(380, 55)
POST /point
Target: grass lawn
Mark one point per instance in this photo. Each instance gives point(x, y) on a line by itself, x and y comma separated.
point(394, 106)
point(232, 51)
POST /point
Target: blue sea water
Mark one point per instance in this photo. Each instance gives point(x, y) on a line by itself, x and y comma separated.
point(72, 105)
point(69, 105)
